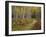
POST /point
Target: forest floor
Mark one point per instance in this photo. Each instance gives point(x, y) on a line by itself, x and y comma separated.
point(26, 24)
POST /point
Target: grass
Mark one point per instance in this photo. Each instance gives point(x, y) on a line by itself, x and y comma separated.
point(23, 24)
